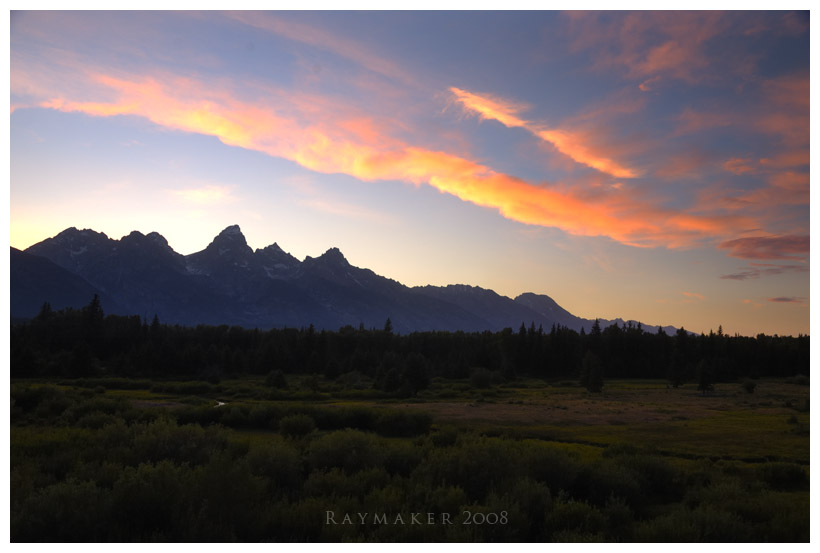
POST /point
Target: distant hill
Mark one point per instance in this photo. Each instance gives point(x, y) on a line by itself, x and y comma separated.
point(230, 283)
point(35, 280)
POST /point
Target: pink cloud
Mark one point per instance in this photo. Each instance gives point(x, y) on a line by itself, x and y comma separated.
point(768, 247)
point(328, 138)
point(739, 166)
point(648, 44)
point(649, 84)
point(574, 144)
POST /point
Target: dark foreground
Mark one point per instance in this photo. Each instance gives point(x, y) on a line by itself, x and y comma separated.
point(125, 431)
point(139, 460)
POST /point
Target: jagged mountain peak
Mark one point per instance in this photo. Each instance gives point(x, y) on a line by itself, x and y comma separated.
point(72, 233)
point(334, 254)
point(274, 259)
point(231, 234)
point(227, 282)
point(152, 241)
point(229, 240)
point(232, 230)
point(158, 238)
point(272, 248)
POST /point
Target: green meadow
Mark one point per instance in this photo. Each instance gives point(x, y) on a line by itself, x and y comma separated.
point(119, 459)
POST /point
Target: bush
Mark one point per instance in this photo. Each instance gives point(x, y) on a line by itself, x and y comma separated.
point(481, 378)
point(784, 476)
point(749, 385)
point(350, 450)
point(164, 439)
point(233, 416)
point(276, 379)
point(703, 524)
point(280, 464)
point(68, 511)
point(572, 520)
point(476, 465)
point(297, 426)
point(800, 380)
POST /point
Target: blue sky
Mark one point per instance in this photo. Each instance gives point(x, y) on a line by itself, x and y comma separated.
point(644, 165)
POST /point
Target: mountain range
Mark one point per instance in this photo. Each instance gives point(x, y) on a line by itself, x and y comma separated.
point(230, 283)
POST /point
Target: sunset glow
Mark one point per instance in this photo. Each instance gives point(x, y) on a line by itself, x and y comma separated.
point(629, 164)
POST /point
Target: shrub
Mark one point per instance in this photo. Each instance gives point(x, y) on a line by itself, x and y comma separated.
point(276, 379)
point(297, 426)
point(146, 501)
point(784, 476)
point(164, 439)
point(481, 378)
point(570, 520)
point(401, 458)
point(280, 464)
point(476, 465)
point(749, 385)
point(233, 416)
point(69, 511)
point(800, 380)
point(350, 450)
point(703, 524)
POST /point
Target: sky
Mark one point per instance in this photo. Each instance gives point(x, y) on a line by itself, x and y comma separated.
point(646, 165)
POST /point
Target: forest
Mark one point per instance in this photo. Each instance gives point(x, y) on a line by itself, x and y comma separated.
point(130, 430)
point(75, 343)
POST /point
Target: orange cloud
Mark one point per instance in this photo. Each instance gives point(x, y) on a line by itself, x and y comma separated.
point(330, 140)
point(490, 107)
point(694, 295)
point(695, 121)
point(571, 144)
point(739, 166)
point(647, 44)
point(649, 84)
point(794, 158)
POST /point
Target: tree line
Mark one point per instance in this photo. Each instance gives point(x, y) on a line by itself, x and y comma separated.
point(86, 342)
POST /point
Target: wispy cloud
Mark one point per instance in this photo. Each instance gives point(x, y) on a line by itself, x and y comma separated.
point(649, 84)
point(768, 247)
point(789, 299)
point(569, 143)
point(320, 141)
point(206, 194)
point(647, 45)
point(757, 270)
point(328, 136)
point(739, 166)
point(345, 209)
point(327, 41)
point(694, 295)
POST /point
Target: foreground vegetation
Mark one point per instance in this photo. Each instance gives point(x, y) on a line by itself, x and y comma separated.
point(390, 438)
point(92, 461)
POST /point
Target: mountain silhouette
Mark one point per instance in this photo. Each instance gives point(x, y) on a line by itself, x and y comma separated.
point(230, 283)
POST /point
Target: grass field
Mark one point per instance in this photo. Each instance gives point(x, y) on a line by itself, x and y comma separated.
point(772, 423)
point(638, 462)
